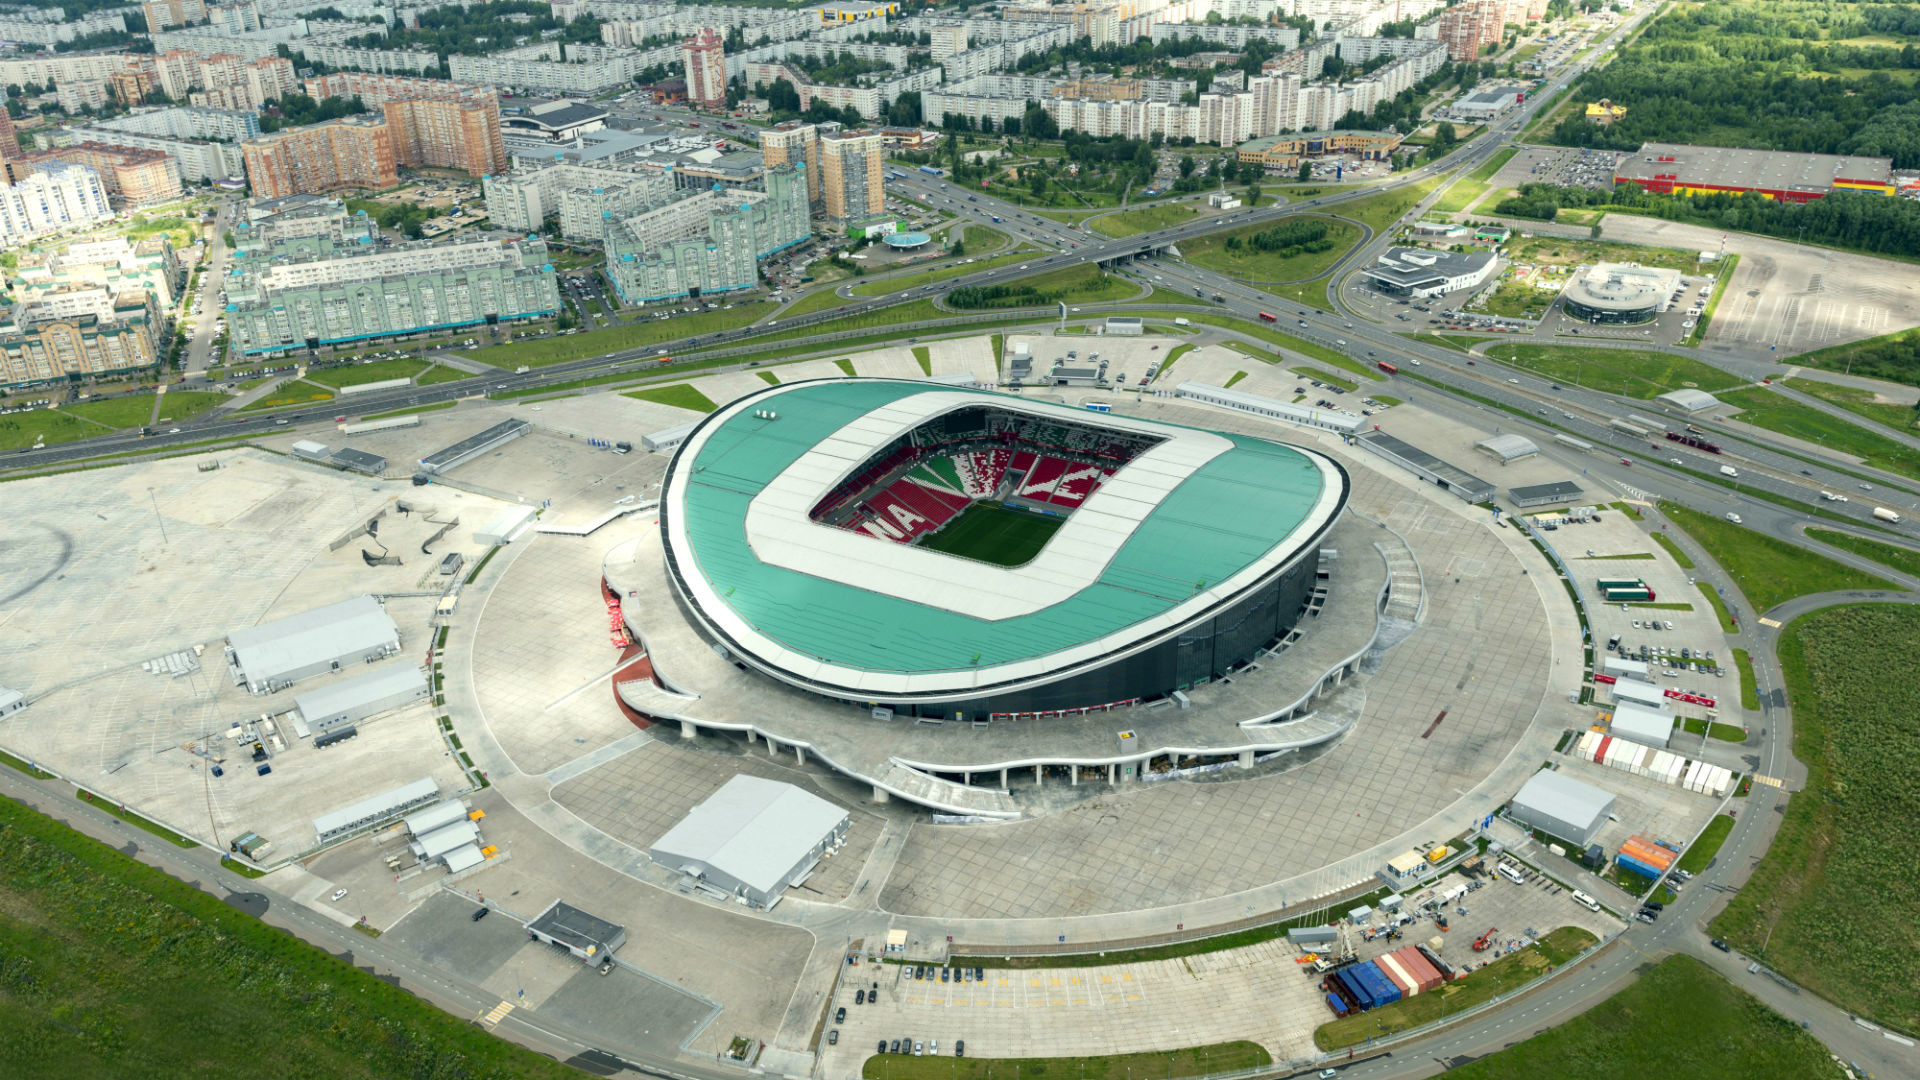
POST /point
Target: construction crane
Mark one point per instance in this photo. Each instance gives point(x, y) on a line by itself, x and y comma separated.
point(1481, 943)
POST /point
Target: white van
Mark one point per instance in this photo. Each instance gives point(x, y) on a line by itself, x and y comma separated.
point(1586, 901)
point(1507, 871)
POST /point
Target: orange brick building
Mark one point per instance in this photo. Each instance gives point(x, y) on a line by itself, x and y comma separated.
point(131, 177)
point(432, 122)
point(340, 153)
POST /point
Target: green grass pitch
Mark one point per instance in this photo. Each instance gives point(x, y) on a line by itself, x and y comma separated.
point(994, 534)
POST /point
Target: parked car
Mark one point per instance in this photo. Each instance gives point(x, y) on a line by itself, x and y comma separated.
point(480, 914)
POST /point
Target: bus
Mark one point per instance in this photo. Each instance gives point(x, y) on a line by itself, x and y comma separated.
point(1388, 368)
point(1269, 317)
point(931, 171)
point(1099, 406)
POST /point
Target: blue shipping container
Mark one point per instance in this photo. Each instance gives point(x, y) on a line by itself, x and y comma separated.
point(1339, 1007)
point(1628, 862)
point(1357, 990)
point(1384, 990)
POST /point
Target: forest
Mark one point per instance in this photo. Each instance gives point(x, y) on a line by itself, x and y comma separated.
point(1875, 224)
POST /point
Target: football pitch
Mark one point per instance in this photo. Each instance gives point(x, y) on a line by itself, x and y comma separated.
point(994, 534)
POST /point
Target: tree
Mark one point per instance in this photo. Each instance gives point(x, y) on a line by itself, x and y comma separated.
point(782, 97)
point(1253, 194)
point(1186, 166)
point(1010, 125)
point(959, 248)
point(1037, 182)
point(1038, 123)
point(905, 110)
point(1306, 171)
point(986, 125)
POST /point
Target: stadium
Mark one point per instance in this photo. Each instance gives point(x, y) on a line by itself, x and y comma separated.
point(944, 552)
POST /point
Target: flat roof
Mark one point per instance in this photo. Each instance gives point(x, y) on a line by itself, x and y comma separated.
point(1641, 725)
point(475, 442)
point(1508, 446)
point(446, 838)
point(564, 922)
point(1415, 456)
point(1192, 520)
point(345, 695)
point(359, 460)
point(1771, 170)
point(1559, 489)
point(1564, 798)
point(433, 817)
point(1412, 268)
point(378, 806)
point(753, 830)
point(323, 633)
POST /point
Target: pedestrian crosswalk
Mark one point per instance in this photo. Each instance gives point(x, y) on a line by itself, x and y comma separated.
point(499, 1013)
point(1774, 623)
point(1770, 781)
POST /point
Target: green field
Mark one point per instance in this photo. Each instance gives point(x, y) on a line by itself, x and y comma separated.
point(1085, 283)
point(1150, 1065)
point(1381, 211)
point(883, 286)
point(359, 374)
point(111, 966)
point(1456, 342)
point(175, 406)
point(1680, 558)
point(819, 300)
point(1678, 1019)
point(1890, 357)
point(1234, 378)
point(116, 412)
point(291, 392)
point(1176, 353)
point(1863, 403)
point(916, 311)
point(1502, 976)
point(1768, 571)
point(923, 356)
point(1763, 408)
point(441, 373)
point(1831, 905)
point(1517, 300)
point(994, 534)
point(1905, 560)
point(1629, 372)
point(1473, 185)
point(1749, 686)
point(678, 395)
point(540, 352)
point(1149, 218)
point(1703, 850)
point(1210, 252)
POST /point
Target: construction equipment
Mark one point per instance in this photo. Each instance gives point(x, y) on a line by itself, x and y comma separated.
point(1481, 943)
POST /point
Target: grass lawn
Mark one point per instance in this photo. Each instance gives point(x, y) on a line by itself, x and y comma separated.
point(110, 962)
point(1763, 408)
point(820, 300)
point(1502, 976)
point(1630, 372)
point(917, 311)
point(117, 412)
point(1719, 608)
point(1860, 402)
point(1680, 558)
point(1380, 211)
point(1289, 342)
point(358, 374)
point(1768, 571)
point(1831, 904)
point(1884, 357)
point(1176, 353)
point(1473, 185)
point(678, 395)
point(1149, 218)
point(923, 356)
point(1456, 342)
point(1749, 686)
point(412, 409)
point(1732, 733)
point(1704, 849)
point(1695, 336)
point(1905, 560)
point(1517, 300)
point(846, 366)
point(540, 352)
point(1542, 250)
point(135, 820)
point(883, 286)
point(995, 534)
point(1210, 252)
point(181, 405)
point(1084, 283)
point(1152, 1065)
point(291, 392)
point(1678, 1019)
point(441, 373)
point(1234, 378)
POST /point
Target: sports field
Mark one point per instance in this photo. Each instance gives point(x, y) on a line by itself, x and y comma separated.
point(994, 534)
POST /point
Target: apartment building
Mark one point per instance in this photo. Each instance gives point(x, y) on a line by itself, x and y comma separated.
point(794, 143)
point(35, 32)
point(1468, 28)
point(88, 332)
point(579, 195)
point(134, 177)
point(380, 61)
point(325, 294)
point(166, 14)
point(706, 67)
point(50, 195)
point(236, 18)
point(851, 168)
point(116, 264)
point(433, 122)
point(77, 96)
point(706, 242)
point(351, 152)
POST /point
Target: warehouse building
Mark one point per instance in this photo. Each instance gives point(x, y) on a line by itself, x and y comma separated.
point(1562, 807)
point(1689, 401)
point(1126, 325)
point(1671, 169)
point(1422, 272)
point(273, 656)
point(360, 461)
point(473, 446)
point(1620, 293)
point(11, 701)
point(1426, 466)
point(668, 438)
point(1485, 104)
point(1507, 447)
point(373, 810)
point(752, 840)
point(587, 937)
point(1558, 493)
point(351, 700)
point(1640, 724)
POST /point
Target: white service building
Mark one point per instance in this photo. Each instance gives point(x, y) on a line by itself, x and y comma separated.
point(752, 840)
point(274, 655)
point(1561, 806)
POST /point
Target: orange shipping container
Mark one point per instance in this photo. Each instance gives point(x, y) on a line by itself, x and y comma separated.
point(1418, 967)
point(1408, 985)
point(1649, 852)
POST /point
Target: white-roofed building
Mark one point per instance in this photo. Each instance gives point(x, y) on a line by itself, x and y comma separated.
point(1640, 693)
point(753, 839)
point(1689, 401)
point(349, 701)
point(1561, 806)
point(1638, 723)
point(274, 655)
point(1507, 447)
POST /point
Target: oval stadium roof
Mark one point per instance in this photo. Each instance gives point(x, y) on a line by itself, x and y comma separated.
point(1181, 528)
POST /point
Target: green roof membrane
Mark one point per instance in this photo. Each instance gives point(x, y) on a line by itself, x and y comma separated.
point(1231, 511)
